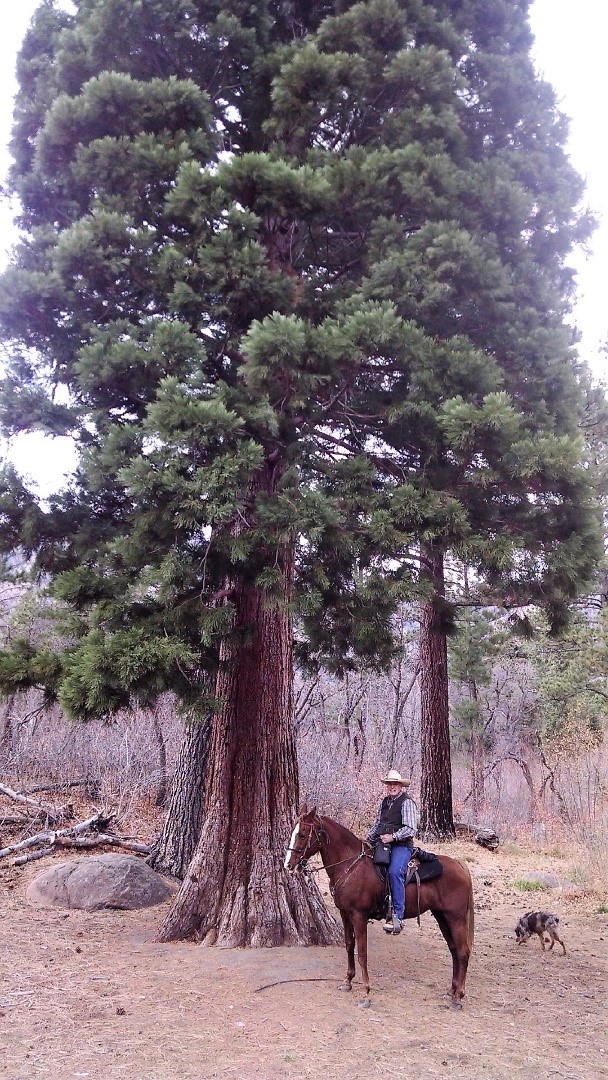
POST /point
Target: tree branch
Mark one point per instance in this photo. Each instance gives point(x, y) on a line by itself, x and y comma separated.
point(53, 814)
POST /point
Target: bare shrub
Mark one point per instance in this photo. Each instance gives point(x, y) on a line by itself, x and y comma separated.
point(119, 762)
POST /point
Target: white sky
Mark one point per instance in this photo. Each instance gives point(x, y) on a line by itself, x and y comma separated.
point(570, 52)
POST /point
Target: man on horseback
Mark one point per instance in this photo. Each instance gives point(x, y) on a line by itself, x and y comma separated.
point(396, 824)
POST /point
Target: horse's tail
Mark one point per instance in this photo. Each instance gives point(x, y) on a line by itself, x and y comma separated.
point(470, 912)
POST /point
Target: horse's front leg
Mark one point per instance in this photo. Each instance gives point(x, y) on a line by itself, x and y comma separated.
point(349, 941)
point(360, 925)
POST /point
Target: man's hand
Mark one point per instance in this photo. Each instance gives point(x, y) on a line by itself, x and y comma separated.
point(386, 839)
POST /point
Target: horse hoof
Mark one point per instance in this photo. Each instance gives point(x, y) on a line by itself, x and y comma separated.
point(456, 1004)
point(345, 987)
point(365, 1003)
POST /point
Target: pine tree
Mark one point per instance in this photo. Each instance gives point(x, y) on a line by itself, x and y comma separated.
point(298, 270)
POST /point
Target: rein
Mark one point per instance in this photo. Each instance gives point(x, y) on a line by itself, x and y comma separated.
point(332, 888)
point(330, 866)
point(318, 835)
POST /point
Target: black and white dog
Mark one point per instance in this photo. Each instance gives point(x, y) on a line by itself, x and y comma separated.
point(541, 923)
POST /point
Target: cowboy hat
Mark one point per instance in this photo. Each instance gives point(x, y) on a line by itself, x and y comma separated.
point(393, 777)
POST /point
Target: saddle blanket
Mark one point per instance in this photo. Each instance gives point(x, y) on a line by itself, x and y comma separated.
point(425, 865)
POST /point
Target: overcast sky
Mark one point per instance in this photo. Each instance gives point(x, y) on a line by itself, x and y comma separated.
point(570, 52)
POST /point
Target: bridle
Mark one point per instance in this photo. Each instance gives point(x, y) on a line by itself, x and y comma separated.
point(315, 834)
point(319, 833)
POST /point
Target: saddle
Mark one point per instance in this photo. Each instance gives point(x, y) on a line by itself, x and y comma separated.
point(423, 866)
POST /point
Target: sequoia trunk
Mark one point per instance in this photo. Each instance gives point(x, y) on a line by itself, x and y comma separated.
point(236, 891)
point(436, 814)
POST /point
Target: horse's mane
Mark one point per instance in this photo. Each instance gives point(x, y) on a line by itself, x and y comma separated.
point(345, 834)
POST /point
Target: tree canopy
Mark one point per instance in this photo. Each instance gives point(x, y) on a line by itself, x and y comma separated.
point(332, 234)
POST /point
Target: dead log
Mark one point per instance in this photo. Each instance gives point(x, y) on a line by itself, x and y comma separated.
point(55, 815)
point(100, 840)
point(20, 860)
point(48, 836)
point(485, 837)
point(15, 819)
point(61, 785)
point(71, 837)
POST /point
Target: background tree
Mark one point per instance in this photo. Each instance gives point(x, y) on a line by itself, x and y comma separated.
point(471, 657)
point(492, 423)
point(292, 275)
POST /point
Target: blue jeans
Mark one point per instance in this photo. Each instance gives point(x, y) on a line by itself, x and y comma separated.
point(400, 857)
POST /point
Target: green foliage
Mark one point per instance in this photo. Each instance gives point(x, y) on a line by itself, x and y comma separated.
point(572, 685)
point(24, 666)
point(528, 886)
point(108, 672)
point(473, 650)
point(298, 272)
point(478, 643)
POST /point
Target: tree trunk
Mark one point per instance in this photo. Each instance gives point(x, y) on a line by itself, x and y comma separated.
point(236, 891)
point(181, 830)
point(7, 733)
point(161, 789)
point(436, 813)
point(477, 754)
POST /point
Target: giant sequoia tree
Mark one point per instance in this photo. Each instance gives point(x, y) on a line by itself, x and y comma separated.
point(292, 275)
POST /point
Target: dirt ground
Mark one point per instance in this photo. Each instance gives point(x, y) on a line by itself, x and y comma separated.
point(91, 995)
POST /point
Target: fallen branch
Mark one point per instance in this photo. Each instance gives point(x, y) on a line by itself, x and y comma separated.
point(100, 840)
point(48, 836)
point(20, 860)
point(71, 837)
point(15, 819)
point(53, 814)
point(61, 785)
point(319, 978)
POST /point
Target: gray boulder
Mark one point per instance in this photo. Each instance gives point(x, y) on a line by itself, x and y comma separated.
point(541, 878)
point(99, 881)
point(551, 881)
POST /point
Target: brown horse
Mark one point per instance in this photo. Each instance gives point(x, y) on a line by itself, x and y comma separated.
point(359, 894)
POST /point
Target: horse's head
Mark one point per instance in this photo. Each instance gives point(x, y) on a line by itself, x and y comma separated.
point(305, 839)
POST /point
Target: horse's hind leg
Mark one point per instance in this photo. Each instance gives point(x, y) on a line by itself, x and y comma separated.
point(455, 933)
point(349, 941)
point(444, 926)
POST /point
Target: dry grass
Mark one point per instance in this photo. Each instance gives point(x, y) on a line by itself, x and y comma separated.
point(92, 995)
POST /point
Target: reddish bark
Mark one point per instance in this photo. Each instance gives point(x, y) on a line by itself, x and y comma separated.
point(236, 891)
point(477, 756)
point(436, 814)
